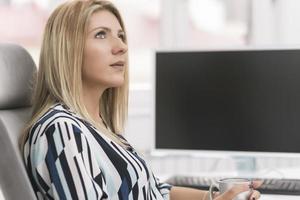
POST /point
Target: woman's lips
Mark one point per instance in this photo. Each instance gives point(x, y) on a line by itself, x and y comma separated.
point(118, 65)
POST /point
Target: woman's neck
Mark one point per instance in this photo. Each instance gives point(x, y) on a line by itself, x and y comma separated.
point(91, 100)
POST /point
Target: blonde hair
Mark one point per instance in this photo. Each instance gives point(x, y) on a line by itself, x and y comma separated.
point(61, 59)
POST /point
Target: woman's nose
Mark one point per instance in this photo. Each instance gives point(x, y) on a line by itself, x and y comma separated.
point(120, 47)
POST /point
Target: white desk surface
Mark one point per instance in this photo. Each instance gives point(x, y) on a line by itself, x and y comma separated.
point(278, 197)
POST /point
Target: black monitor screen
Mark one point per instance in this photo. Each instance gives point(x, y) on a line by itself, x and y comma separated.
point(245, 100)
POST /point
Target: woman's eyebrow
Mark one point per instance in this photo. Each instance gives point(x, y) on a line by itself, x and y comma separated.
point(105, 28)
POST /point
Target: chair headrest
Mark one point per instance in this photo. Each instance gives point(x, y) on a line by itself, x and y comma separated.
point(17, 71)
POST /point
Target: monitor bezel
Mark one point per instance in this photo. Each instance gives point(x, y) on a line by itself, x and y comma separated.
point(212, 153)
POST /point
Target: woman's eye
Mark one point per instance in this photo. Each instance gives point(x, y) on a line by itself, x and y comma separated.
point(101, 35)
point(122, 36)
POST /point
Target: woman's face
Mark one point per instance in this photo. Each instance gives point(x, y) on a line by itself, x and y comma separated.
point(105, 53)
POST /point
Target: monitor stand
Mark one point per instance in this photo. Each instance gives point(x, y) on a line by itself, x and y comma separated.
point(245, 165)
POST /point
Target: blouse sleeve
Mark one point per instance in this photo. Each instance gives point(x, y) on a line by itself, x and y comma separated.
point(164, 188)
point(63, 164)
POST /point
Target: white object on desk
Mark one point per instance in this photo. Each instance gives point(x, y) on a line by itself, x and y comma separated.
point(1, 195)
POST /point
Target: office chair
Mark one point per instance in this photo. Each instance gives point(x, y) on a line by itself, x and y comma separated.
point(16, 76)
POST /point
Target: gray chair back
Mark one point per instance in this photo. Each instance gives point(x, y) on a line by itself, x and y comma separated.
point(16, 78)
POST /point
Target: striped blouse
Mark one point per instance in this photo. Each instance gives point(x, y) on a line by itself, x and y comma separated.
point(67, 158)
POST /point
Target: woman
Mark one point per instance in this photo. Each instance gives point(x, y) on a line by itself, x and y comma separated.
point(72, 146)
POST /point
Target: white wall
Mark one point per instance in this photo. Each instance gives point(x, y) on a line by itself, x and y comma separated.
point(140, 127)
point(275, 22)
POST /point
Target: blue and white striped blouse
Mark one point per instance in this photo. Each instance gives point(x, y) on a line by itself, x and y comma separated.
point(67, 158)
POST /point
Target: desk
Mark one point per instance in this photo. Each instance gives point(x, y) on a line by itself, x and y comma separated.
point(263, 196)
point(169, 165)
point(278, 197)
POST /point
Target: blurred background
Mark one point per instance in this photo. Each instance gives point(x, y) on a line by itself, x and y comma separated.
point(169, 25)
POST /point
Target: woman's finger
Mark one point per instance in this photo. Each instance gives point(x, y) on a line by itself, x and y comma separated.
point(256, 183)
point(254, 195)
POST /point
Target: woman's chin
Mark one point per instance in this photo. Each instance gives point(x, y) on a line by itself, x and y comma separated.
point(117, 82)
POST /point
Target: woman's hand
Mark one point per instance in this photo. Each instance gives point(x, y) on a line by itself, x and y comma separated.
point(234, 191)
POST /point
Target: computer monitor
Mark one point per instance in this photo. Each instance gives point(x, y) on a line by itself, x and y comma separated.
point(228, 100)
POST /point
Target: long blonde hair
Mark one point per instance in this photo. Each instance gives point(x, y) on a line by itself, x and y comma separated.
point(61, 59)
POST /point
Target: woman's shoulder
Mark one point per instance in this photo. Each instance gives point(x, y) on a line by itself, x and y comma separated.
point(58, 113)
point(58, 118)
